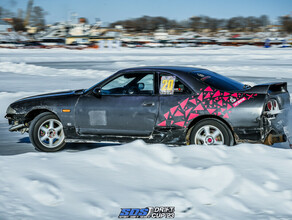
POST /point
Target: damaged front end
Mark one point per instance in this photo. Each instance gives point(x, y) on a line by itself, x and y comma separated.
point(17, 123)
point(16, 120)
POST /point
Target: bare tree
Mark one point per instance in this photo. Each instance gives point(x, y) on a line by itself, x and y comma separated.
point(286, 22)
point(264, 20)
point(196, 23)
point(236, 24)
point(146, 23)
point(38, 17)
point(18, 24)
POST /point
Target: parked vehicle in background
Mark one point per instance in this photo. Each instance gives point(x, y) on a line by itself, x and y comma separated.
point(33, 45)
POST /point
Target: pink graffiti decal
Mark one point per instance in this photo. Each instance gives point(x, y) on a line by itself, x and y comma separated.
point(192, 116)
point(249, 96)
point(188, 111)
point(239, 102)
point(207, 96)
point(211, 110)
point(183, 104)
point(199, 107)
point(208, 101)
point(181, 123)
point(178, 113)
point(216, 94)
point(193, 101)
point(200, 97)
point(208, 89)
point(172, 110)
point(162, 123)
point(166, 115)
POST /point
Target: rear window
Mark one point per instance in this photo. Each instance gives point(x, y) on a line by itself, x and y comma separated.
point(218, 81)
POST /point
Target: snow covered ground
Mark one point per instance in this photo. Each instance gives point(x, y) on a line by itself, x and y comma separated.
point(93, 181)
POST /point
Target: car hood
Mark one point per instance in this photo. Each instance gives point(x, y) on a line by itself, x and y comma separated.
point(50, 95)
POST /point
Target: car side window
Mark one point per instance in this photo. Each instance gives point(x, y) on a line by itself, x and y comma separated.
point(178, 88)
point(130, 84)
point(146, 84)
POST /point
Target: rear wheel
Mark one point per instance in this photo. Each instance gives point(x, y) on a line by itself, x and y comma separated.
point(46, 133)
point(211, 132)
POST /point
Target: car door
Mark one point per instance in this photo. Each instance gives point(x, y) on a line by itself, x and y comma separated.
point(174, 94)
point(127, 106)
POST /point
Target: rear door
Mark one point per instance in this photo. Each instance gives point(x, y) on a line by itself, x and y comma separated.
point(173, 111)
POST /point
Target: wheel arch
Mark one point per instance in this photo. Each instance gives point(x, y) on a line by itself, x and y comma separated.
point(35, 112)
point(202, 117)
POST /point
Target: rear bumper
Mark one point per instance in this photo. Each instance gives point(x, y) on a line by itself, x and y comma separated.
point(274, 127)
point(270, 130)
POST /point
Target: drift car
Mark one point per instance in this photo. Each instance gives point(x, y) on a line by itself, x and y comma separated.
point(172, 105)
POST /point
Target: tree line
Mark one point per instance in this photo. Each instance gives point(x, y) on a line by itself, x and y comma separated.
point(150, 24)
point(37, 18)
point(199, 23)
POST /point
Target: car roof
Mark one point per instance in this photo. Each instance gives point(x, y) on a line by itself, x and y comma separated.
point(169, 68)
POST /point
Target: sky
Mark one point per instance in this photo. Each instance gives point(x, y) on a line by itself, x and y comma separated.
point(113, 10)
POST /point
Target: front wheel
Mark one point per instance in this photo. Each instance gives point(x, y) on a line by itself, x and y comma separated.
point(211, 132)
point(46, 133)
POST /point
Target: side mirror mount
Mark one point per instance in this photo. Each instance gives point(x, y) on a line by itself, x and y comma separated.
point(97, 92)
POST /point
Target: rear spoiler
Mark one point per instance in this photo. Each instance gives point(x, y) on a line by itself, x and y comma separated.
point(268, 88)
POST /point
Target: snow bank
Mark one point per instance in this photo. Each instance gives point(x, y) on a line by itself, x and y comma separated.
point(28, 69)
point(242, 182)
point(245, 61)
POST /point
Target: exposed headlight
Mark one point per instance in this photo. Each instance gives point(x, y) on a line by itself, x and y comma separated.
point(10, 110)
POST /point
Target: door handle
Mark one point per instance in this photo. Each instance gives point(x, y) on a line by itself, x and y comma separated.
point(148, 104)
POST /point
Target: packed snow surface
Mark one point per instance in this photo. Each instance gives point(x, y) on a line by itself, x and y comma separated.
point(94, 181)
point(241, 182)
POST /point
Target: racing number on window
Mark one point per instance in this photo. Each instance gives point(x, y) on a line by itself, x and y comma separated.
point(167, 85)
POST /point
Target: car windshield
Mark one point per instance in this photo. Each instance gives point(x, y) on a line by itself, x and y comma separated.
point(95, 85)
point(218, 81)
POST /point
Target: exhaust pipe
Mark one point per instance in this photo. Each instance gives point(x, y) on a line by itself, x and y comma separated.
point(16, 127)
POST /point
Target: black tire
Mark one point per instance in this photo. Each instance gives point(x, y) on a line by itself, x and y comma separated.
point(224, 137)
point(34, 130)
